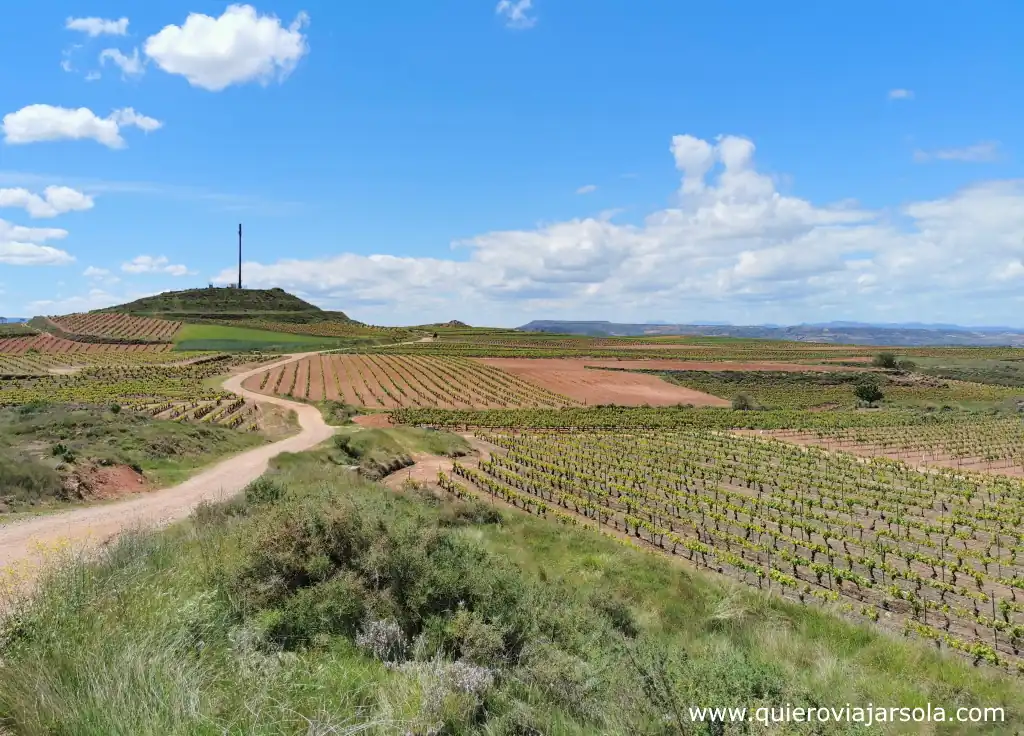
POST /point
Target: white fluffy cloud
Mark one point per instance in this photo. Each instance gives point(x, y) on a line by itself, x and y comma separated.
point(901, 94)
point(52, 202)
point(98, 26)
point(731, 247)
point(36, 123)
point(95, 298)
point(237, 47)
point(587, 189)
point(516, 13)
point(25, 246)
point(983, 152)
point(131, 66)
point(151, 264)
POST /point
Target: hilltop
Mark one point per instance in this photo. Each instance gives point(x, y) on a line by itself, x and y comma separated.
point(191, 305)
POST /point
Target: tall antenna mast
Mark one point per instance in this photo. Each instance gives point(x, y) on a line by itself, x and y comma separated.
point(239, 255)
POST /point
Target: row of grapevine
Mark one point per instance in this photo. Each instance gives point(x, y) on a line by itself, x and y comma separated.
point(387, 381)
point(940, 551)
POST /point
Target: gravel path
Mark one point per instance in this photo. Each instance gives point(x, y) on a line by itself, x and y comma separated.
point(26, 543)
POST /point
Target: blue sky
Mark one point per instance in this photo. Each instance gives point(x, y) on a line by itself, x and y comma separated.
point(411, 161)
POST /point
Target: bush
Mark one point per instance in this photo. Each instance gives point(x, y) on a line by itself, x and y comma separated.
point(869, 392)
point(906, 366)
point(26, 480)
point(263, 490)
point(744, 402)
point(885, 360)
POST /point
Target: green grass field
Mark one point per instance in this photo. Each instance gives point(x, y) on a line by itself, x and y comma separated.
point(242, 339)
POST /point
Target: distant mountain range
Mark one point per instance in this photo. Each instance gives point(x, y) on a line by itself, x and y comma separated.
point(851, 333)
point(13, 320)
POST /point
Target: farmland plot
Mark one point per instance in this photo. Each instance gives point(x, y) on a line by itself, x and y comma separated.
point(393, 381)
point(985, 445)
point(934, 554)
point(49, 344)
point(118, 326)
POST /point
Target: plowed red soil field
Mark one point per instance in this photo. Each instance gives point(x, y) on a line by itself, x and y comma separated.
point(393, 381)
point(572, 377)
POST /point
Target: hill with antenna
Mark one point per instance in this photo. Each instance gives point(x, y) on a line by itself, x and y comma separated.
point(213, 303)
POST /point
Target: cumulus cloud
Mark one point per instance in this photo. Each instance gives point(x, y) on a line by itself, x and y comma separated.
point(36, 123)
point(587, 189)
point(25, 246)
point(517, 13)
point(151, 264)
point(731, 246)
point(98, 26)
point(92, 272)
point(131, 66)
point(901, 94)
point(53, 201)
point(237, 47)
point(95, 298)
point(983, 152)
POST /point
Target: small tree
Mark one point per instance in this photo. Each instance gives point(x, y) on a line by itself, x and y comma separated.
point(906, 366)
point(869, 392)
point(743, 402)
point(885, 360)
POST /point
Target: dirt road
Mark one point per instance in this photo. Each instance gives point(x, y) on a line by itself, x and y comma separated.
point(26, 543)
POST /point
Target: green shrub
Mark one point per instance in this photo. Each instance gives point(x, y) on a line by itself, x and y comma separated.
point(868, 391)
point(885, 360)
point(744, 402)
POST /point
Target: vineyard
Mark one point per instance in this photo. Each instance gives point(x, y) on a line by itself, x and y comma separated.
point(46, 343)
point(610, 417)
point(118, 327)
point(697, 349)
point(811, 389)
point(933, 554)
point(387, 381)
point(172, 390)
point(993, 445)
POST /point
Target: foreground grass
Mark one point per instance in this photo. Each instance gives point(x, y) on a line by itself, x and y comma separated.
point(376, 453)
point(320, 603)
point(40, 445)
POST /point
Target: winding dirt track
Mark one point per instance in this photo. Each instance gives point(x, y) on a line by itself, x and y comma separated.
point(24, 543)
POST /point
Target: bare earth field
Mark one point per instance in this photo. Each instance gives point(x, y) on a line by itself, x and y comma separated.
point(693, 365)
point(571, 377)
point(392, 381)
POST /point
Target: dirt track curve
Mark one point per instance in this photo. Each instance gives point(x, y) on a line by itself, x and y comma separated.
point(25, 541)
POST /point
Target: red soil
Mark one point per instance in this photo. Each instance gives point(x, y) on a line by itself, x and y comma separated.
point(690, 365)
point(376, 421)
point(571, 377)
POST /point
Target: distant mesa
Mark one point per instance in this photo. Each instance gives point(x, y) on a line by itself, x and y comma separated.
point(453, 323)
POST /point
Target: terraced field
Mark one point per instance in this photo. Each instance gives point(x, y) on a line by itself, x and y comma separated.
point(46, 343)
point(118, 326)
point(177, 389)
